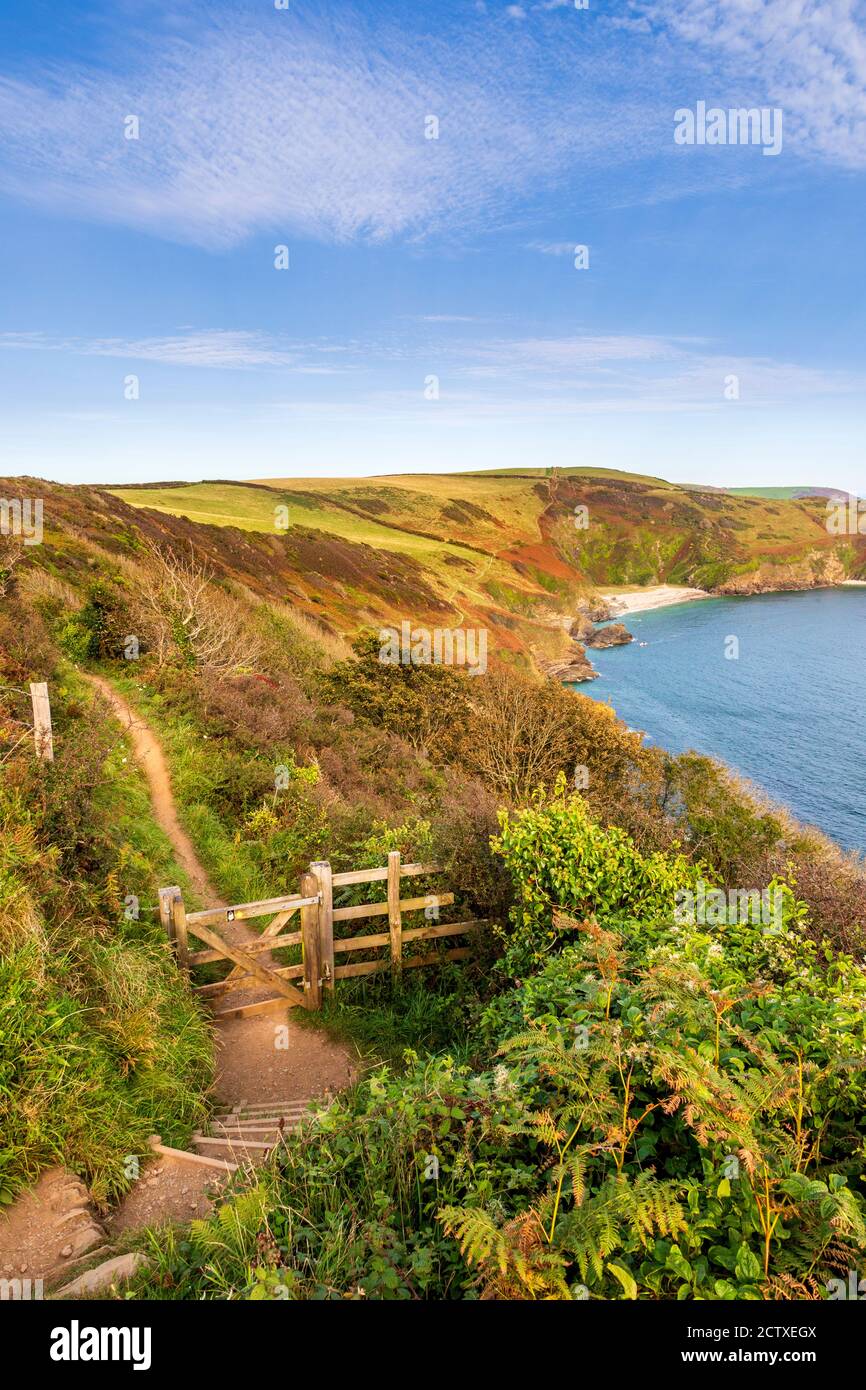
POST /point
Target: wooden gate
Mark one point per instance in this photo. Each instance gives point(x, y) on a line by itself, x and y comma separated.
point(320, 946)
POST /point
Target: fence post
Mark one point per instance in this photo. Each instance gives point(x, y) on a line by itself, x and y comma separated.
point(165, 900)
point(310, 941)
point(321, 869)
point(42, 721)
point(395, 921)
point(178, 919)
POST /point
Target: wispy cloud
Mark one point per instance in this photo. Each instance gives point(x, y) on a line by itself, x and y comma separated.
point(305, 125)
point(208, 348)
point(588, 373)
point(311, 122)
point(806, 56)
point(486, 375)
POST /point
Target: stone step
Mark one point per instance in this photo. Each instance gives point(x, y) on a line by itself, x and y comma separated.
point(270, 1126)
point(113, 1271)
point(231, 1141)
point(65, 1268)
point(264, 1105)
point(268, 1117)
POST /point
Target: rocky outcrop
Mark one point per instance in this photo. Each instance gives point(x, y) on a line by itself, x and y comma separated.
point(582, 627)
point(615, 635)
point(576, 666)
point(820, 569)
point(598, 609)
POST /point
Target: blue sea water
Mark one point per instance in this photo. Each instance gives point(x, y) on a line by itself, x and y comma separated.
point(787, 712)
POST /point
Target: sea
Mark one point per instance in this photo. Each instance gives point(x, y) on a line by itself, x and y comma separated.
point(774, 685)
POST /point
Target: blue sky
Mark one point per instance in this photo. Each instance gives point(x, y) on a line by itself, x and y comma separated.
point(414, 258)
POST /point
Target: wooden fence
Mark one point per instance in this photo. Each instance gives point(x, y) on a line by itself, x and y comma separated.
point(320, 946)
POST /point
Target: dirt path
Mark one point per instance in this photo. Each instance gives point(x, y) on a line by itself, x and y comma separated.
point(148, 753)
point(271, 1057)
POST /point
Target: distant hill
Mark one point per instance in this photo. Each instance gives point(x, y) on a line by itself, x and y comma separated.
point(517, 552)
point(786, 492)
point(505, 548)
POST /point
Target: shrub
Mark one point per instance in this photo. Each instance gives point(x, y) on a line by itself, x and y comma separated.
point(428, 705)
point(559, 858)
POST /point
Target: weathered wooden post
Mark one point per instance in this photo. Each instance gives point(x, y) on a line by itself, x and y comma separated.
point(321, 870)
point(166, 896)
point(395, 920)
point(310, 942)
point(178, 919)
point(42, 721)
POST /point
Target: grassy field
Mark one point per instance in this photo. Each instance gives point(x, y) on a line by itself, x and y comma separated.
point(255, 508)
point(511, 542)
point(460, 553)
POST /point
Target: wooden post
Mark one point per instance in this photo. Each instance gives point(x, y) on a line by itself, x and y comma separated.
point(310, 941)
point(166, 897)
point(178, 918)
point(42, 721)
point(322, 873)
point(395, 921)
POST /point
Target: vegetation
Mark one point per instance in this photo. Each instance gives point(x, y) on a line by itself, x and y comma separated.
point(98, 1034)
point(611, 1104)
point(641, 530)
point(651, 1112)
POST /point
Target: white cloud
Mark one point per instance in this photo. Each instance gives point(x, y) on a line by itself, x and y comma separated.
point(312, 124)
point(488, 378)
point(553, 248)
point(207, 348)
point(588, 373)
point(806, 56)
point(314, 129)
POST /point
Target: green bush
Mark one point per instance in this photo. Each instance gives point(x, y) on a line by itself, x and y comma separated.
point(559, 858)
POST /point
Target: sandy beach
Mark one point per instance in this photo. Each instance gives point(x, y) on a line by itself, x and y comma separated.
point(623, 601)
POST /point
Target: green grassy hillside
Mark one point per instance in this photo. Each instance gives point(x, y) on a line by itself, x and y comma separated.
point(531, 542)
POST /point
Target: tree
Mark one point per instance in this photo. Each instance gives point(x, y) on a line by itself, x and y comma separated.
point(184, 611)
point(524, 734)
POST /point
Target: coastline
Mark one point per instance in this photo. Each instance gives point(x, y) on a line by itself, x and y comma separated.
point(602, 617)
point(654, 596)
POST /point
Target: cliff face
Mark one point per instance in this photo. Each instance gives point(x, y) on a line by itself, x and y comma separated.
point(576, 667)
point(817, 570)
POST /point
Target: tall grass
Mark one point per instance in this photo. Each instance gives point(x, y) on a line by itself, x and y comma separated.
point(100, 1040)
